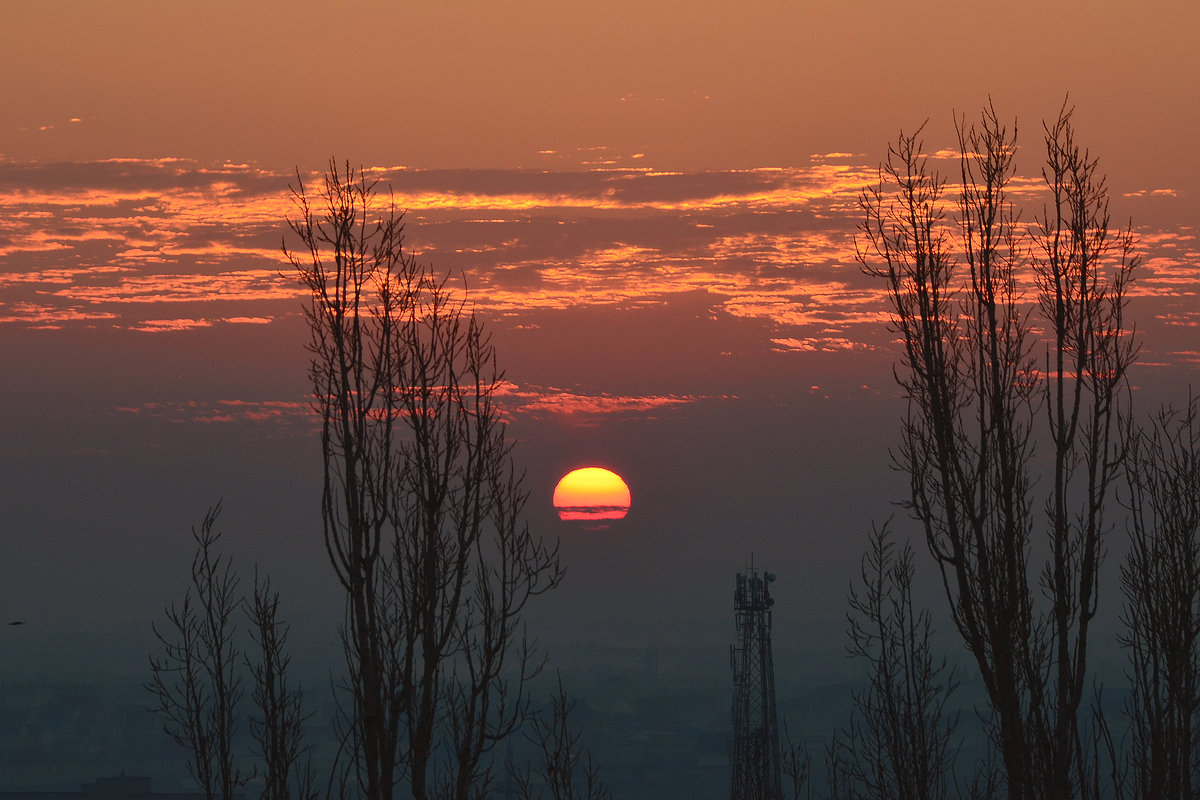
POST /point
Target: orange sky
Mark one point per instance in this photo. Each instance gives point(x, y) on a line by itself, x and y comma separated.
point(671, 84)
point(654, 203)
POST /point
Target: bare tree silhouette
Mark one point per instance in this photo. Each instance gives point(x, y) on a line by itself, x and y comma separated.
point(564, 769)
point(278, 729)
point(796, 764)
point(898, 743)
point(464, 562)
point(352, 251)
point(979, 392)
point(422, 505)
point(194, 679)
point(1161, 582)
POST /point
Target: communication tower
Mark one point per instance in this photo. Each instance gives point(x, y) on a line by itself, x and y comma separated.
point(755, 756)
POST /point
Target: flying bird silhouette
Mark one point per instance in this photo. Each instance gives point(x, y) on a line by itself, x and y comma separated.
point(17, 622)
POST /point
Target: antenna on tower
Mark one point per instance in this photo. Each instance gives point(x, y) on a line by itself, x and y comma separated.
point(755, 757)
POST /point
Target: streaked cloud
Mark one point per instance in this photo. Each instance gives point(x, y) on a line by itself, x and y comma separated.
point(1152, 193)
point(172, 324)
point(283, 412)
point(240, 286)
point(581, 408)
point(46, 316)
point(187, 323)
point(819, 344)
point(570, 406)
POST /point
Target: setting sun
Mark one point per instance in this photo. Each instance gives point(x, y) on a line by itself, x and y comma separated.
point(591, 493)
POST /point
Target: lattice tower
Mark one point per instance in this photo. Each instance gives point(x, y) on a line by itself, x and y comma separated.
point(755, 756)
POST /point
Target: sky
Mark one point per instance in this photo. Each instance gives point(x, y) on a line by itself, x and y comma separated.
point(653, 206)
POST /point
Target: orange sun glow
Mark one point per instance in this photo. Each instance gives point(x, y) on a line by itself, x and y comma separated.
point(590, 494)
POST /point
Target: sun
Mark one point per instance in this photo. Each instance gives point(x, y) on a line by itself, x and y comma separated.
point(591, 494)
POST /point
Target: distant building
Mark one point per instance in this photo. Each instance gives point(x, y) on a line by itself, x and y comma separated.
point(119, 787)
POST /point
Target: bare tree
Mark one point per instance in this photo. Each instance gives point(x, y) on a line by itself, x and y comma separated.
point(796, 764)
point(353, 248)
point(422, 503)
point(278, 729)
point(194, 680)
point(1082, 271)
point(564, 769)
point(465, 562)
point(898, 744)
point(979, 391)
point(1103, 769)
point(1161, 582)
point(839, 765)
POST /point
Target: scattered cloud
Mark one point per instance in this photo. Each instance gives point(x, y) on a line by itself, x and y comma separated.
point(106, 243)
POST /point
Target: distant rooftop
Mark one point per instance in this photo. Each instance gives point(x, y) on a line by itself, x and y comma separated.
point(118, 787)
